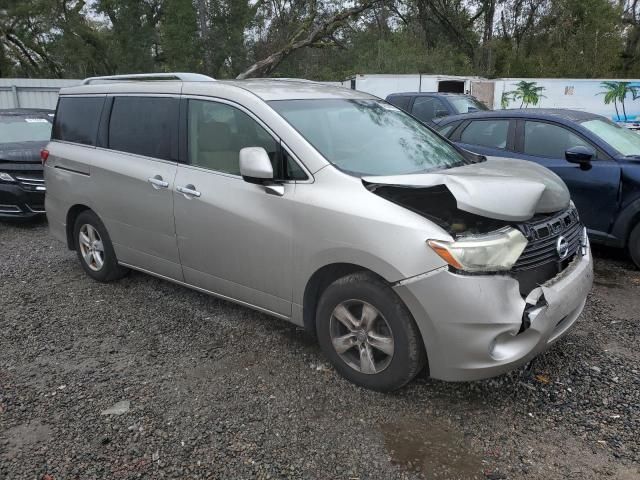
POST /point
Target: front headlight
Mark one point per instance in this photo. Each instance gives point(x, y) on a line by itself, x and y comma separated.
point(492, 252)
point(6, 177)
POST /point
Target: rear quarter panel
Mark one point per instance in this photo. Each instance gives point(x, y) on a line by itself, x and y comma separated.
point(68, 179)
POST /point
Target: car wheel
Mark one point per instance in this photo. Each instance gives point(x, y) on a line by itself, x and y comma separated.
point(634, 245)
point(95, 250)
point(368, 334)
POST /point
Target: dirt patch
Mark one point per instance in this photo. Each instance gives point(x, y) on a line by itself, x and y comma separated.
point(432, 448)
point(26, 436)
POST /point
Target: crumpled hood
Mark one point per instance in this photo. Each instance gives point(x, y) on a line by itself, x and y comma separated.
point(499, 188)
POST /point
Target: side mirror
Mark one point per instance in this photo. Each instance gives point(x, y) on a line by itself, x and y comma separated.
point(581, 155)
point(255, 166)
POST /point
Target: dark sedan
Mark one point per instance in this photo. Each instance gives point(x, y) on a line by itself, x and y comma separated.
point(23, 133)
point(598, 160)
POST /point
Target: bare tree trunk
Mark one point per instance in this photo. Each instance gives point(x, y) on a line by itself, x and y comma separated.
point(487, 37)
point(202, 12)
point(324, 29)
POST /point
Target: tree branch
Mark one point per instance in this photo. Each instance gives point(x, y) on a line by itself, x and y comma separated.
point(325, 28)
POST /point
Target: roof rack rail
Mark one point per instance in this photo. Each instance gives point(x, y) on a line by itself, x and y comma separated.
point(141, 77)
point(288, 79)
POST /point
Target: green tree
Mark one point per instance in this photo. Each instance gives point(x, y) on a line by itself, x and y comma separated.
point(134, 33)
point(181, 49)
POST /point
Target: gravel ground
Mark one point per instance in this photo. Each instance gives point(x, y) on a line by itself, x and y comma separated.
point(146, 379)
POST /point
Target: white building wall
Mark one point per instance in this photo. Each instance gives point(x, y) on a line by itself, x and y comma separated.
point(571, 93)
point(574, 94)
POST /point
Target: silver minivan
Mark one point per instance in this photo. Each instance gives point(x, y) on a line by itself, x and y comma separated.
point(326, 207)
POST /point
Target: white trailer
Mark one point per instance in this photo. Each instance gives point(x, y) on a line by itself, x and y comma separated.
point(382, 85)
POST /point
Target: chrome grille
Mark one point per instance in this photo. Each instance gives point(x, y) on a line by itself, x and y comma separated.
point(33, 181)
point(9, 209)
point(543, 237)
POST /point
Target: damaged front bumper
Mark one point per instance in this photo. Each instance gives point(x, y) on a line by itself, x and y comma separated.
point(479, 326)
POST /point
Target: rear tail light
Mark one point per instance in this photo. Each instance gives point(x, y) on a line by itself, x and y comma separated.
point(44, 154)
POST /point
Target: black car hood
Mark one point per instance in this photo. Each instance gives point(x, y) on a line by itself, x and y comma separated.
point(22, 152)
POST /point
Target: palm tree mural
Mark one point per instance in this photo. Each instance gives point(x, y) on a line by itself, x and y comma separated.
point(505, 99)
point(615, 92)
point(528, 92)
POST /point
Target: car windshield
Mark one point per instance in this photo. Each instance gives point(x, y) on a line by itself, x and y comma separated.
point(24, 129)
point(368, 137)
point(466, 104)
point(622, 139)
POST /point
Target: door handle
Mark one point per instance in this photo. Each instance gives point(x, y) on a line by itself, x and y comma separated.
point(157, 182)
point(188, 191)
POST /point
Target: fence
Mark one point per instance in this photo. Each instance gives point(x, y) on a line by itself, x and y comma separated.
point(31, 92)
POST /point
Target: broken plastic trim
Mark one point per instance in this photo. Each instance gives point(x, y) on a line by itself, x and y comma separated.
point(535, 302)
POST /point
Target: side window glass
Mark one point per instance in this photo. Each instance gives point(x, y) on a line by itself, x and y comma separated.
point(487, 133)
point(293, 171)
point(548, 140)
point(428, 108)
point(77, 119)
point(402, 102)
point(217, 133)
point(144, 126)
point(447, 129)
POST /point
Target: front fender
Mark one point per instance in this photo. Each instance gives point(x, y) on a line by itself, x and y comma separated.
point(624, 223)
point(353, 256)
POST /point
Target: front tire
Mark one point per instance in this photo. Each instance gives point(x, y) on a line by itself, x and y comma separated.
point(634, 245)
point(368, 334)
point(95, 250)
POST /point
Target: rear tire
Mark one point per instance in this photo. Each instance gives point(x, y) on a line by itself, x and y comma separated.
point(368, 334)
point(94, 248)
point(634, 245)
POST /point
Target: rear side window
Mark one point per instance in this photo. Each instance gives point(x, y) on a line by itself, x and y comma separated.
point(77, 119)
point(488, 133)
point(144, 126)
point(400, 101)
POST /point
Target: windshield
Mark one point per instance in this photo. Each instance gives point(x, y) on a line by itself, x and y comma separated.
point(24, 129)
point(622, 139)
point(368, 137)
point(466, 104)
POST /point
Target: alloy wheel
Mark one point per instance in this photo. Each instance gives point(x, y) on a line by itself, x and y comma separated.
point(91, 247)
point(361, 336)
